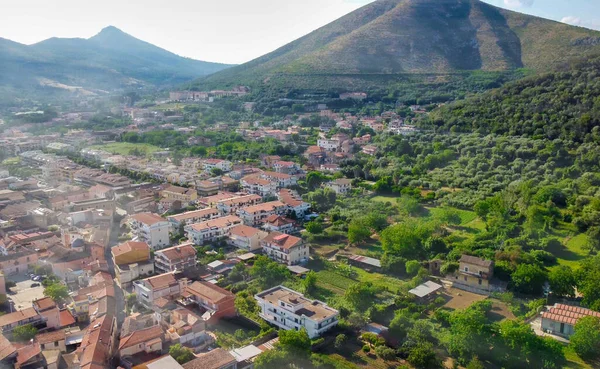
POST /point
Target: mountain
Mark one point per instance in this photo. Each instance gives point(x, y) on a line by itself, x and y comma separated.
point(110, 60)
point(391, 37)
point(564, 104)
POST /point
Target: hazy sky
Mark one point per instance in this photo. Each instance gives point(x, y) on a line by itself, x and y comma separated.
point(228, 31)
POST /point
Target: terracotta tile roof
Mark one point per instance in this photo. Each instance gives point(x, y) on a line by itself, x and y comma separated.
point(217, 223)
point(288, 197)
point(314, 150)
point(128, 247)
point(240, 200)
point(278, 220)
point(148, 218)
point(6, 348)
point(195, 214)
point(179, 190)
point(27, 353)
point(568, 314)
point(254, 180)
point(17, 316)
point(161, 281)
point(264, 207)
point(244, 231)
point(276, 175)
point(283, 240)
point(141, 336)
point(50, 337)
point(209, 292)
point(178, 252)
point(95, 346)
point(284, 163)
point(66, 318)
point(475, 261)
point(44, 303)
point(215, 359)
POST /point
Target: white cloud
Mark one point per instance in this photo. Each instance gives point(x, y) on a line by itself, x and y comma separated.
point(574, 21)
point(519, 3)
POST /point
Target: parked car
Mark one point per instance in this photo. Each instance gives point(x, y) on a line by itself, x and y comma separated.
point(37, 278)
point(35, 285)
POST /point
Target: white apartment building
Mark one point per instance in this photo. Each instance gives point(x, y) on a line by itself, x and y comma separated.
point(151, 289)
point(150, 228)
point(192, 217)
point(341, 186)
point(224, 165)
point(246, 238)
point(231, 206)
point(175, 258)
point(287, 167)
point(281, 180)
point(285, 249)
point(211, 230)
point(258, 186)
point(294, 201)
point(288, 309)
point(329, 145)
point(256, 214)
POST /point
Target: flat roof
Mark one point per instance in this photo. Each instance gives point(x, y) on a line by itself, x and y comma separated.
point(313, 309)
point(245, 353)
point(425, 289)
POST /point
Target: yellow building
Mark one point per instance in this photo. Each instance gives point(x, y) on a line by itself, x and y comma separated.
point(185, 195)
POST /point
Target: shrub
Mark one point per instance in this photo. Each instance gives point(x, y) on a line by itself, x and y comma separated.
point(366, 348)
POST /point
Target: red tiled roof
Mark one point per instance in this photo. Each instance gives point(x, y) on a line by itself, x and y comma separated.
point(278, 220)
point(141, 336)
point(28, 352)
point(44, 303)
point(17, 316)
point(148, 218)
point(283, 240)
point(6, 348)
point(66, 318)
point(50, 337)
point(217, 223)
point(210, 292)
point(243, 231)
point(195, 214)
point(267, 206)
point(568, 314)
point(161, 281)
point(215, 359)
point(128, 247)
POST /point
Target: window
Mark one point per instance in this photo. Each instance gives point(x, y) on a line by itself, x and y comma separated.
point(466, 269)
point(480, 281)
point(55, 344)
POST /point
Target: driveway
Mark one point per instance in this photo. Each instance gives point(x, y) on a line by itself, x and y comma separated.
point(23, 294)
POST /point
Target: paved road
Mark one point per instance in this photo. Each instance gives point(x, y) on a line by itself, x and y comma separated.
point(119, 295)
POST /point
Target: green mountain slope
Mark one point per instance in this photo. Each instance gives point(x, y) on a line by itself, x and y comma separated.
point(417, 36)
point(563, 104)
point(110, 60)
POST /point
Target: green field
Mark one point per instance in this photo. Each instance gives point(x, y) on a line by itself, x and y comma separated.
point(127, 148)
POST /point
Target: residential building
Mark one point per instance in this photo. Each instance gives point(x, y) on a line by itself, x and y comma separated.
point(148, 340)
point(315, 155)
point(281, 180)
point(185, 327)
point(150, 228)
point(224, 165)
point(212, 230)
point(208, 188)
point(185, 195)
point(192, 217)
point(341, 186)
point(286, 167)
point(369, 150)
point(132, 260)
point(258, 186)
point(560, 319)
point(329, 145)
point(153, 288)
point(474, 274)
point(245, 237)
point(294, 202)
point(256, 214)
point(177, 258)
point(277, 223)
point(288, 309)
point(211, 201)
point(215, 359)
point(285, 249)
point(98, 344)
point(215, 301)
point(232, 205)
point(52, 340)
point(10, 321)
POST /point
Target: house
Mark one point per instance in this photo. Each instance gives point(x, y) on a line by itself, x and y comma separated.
point(341, 186)
point(212, 230)
point(163, 362)
point(52, 340)
point(211, 201)
point(98, 344)
point(192, 217)
point(285, 249)
point(286, 167)
point(148, 340)
point(329, 145)
point(131, 260)
point(277, 223)
point(281, 180)
point(185, 195)
point(186, 328)
point(164, 285)
point(560, 319)
point(8, 353)
point(215, 301)
point(224, 165)
point(256, 214)
point(49, 311)
point(10, 321)
point(177, 258)
point(288, 309)
point(474, 274)
point(207, 188)
point(369, 150)
point(30, 356)
point(294, 202)
point(315, 155)
point(215, 359)
point(245, 237)
point(232, 205)
point(150, 228)
point(258, 186)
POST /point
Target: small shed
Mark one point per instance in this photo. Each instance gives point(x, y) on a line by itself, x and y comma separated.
point(298, 270)
point(426, 290)
point(365, 262)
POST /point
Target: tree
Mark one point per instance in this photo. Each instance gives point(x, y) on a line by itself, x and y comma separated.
point(340, 340)
point(57, 292)
point(181, 354)
point(310, 282)
point(269, 273)
point(412, 267)
point(295, 341)
point(422, 356)
point(562, 281)
point(409, 205)
point(360, 295)
point(322, 199)
point(475, 364)
point(314, 227)
point(24, 332)
point(529, 279)
point(385, 353)
point(358, 231)
point(586, 339)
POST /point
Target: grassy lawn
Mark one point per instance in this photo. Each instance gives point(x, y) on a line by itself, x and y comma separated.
point(386, 198)
point(572, 252)
point(574, 361)
point(126, 148)
point(466, 216)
